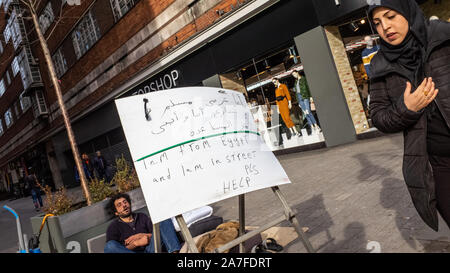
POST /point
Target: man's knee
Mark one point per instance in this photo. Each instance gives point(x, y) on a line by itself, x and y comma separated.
point(112, 246)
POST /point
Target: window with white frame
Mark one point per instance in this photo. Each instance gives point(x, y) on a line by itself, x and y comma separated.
point(16, 28)
point(85, 34)
point(2, 87)
point(121, 7)
point(16, 110)
point(21, 60)
point(46, 18)
point(25, 102)
point(8, 118)
point(8, 78)
point(15, 66)
point(7, 34)
point(7, 3)
point(60, 63)
point(1, 127)
point(28, 73)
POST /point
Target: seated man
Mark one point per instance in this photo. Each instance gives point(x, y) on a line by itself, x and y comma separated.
point(132, 232)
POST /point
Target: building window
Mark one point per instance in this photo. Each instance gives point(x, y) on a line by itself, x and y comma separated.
point(46, 18)
point(60, 63)
point(8, 78)
point(85, 35)
point(29, 74)
point(1, 127)
point(16, 28)
point(121, 7)
point(21, 59)
point(15, 66)
point(16, 110)
point(1, 47)
point(25, 102)
point(7, 34)
point(2, 87)
point(8, 118)
point(7, 3)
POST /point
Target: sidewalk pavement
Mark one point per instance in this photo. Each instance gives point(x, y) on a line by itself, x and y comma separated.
point(348, 196)
point(351, 197)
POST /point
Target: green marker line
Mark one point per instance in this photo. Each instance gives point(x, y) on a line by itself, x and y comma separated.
point(196, 139)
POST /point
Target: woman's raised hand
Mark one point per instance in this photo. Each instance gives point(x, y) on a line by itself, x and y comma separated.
point(423, 95)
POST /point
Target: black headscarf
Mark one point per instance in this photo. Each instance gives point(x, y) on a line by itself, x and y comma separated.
point(411, 53)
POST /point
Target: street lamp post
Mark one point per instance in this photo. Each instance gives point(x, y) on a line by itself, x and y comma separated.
point(51, 68)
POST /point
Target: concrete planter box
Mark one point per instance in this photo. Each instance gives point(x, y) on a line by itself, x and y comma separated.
point(71, 231)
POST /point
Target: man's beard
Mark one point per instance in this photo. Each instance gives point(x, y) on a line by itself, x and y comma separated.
point(126, 215)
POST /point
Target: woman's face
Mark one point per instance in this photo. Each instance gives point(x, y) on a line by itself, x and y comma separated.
point(391, 25)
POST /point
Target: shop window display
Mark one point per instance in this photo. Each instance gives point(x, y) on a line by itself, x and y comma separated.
point(361, 44)
point(273, 85)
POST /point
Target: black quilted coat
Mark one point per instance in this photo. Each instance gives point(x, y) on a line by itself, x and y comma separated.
point(390, 115)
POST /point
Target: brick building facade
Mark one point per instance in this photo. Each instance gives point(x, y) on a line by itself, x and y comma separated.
point(95, 47)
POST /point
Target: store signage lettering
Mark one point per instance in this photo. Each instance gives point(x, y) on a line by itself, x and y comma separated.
point(166, 81)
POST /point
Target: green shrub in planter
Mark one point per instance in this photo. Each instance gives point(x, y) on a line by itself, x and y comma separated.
point(125, 177)
point(100, 190)
point(57, 203)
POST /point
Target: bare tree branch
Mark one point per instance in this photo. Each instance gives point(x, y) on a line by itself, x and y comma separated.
point(59, 19)
point(25, 3)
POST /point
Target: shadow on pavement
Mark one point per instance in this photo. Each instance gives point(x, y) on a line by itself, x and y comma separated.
point(354, 241)
point(312, 213)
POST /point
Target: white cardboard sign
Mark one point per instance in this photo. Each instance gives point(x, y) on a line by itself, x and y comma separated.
point(195, 146)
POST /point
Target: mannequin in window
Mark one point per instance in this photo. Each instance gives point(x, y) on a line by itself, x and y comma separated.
point(368, 53)
point(283, 100)
point(304, 98)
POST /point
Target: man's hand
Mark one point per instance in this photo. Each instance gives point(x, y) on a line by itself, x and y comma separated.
point(423, 95)
point(290, 105)
point(137, 240)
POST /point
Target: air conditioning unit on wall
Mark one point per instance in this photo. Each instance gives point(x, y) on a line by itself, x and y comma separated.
point(39, 105)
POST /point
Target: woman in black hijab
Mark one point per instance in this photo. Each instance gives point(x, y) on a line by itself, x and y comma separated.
point(410, 93)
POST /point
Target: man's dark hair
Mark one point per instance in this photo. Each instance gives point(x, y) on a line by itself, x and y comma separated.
point(111, 207)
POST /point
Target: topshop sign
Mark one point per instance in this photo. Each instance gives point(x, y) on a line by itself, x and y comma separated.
point(165, 81)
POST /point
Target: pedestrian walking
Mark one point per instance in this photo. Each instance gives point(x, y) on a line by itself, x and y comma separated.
point(100, 166)
point(35, 189)
point(410, 92)
point(87, 167)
